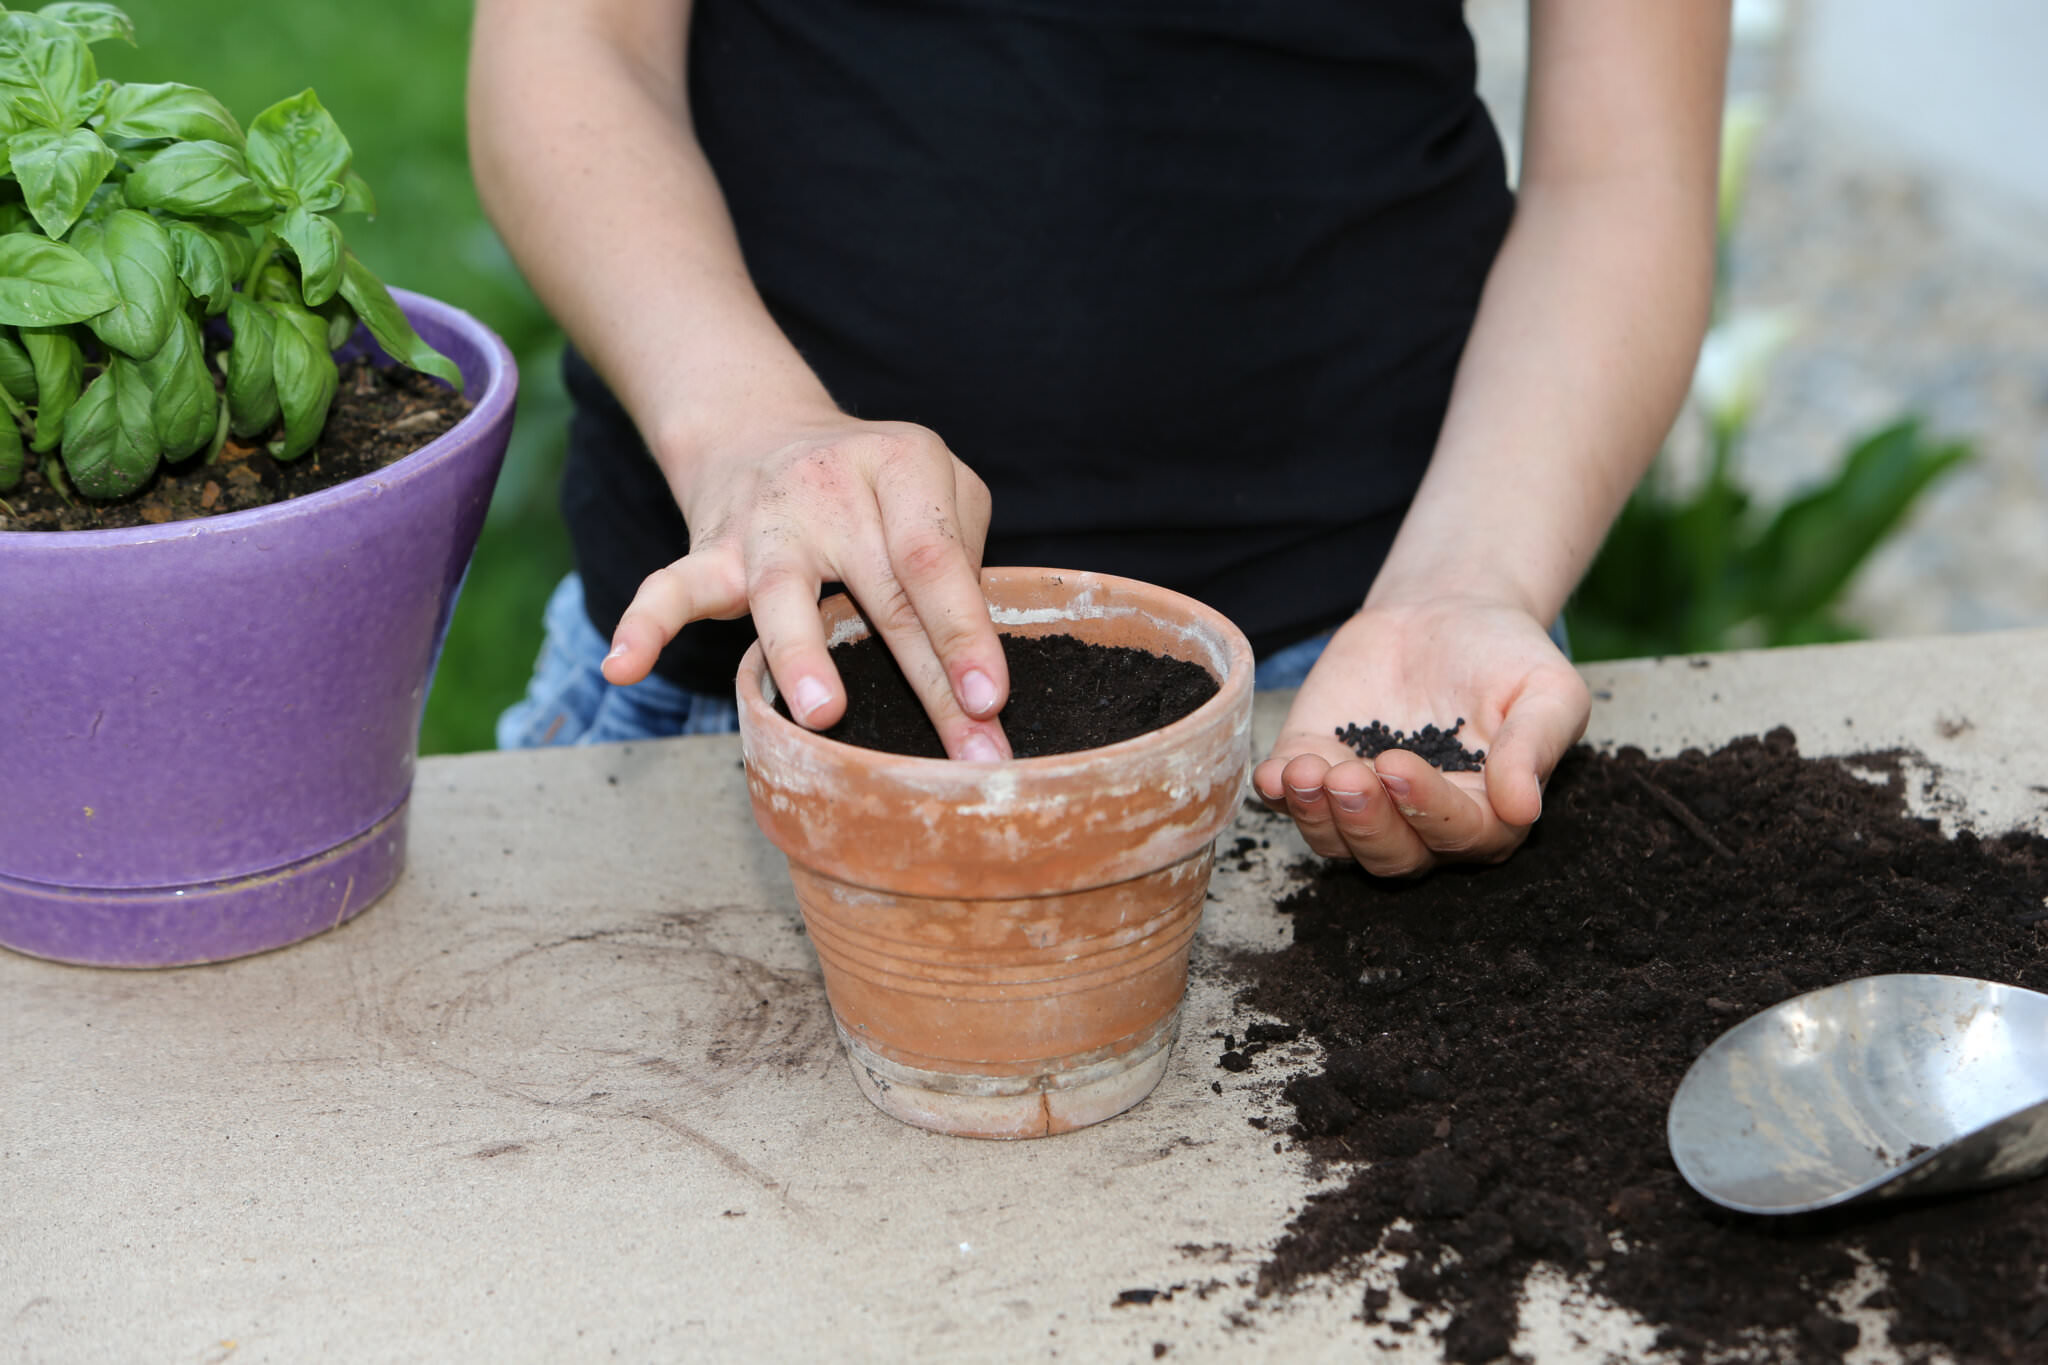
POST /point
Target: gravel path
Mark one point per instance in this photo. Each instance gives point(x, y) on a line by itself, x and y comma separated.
point(1904, 307)
point(1910, 296)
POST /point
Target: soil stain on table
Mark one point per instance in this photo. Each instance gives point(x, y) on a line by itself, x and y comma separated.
point(1500, 1046)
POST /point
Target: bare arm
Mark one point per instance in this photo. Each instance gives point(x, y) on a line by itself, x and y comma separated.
point(1593, 312)
point(1578, 358)
point(584, 157)
point(586, 161)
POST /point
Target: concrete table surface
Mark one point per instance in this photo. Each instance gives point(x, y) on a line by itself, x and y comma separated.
point(571, 1092)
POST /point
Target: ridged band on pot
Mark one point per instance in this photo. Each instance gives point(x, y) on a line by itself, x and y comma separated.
point(1027, 986)
point(1003, 925)
point(1086, 1091)
point(208, 718)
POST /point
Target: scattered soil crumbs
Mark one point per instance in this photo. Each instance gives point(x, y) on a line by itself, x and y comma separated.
point(380, 415)
point(1501, 1044)
point(1438, 747)
point(1065, 695)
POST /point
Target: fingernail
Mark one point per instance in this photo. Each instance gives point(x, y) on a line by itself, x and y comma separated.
point(808, 695)
point(980, 748)
point(618, 651)
point(1397, 787)
point(1308, 796)
point(1353, 802)
point(977, 692)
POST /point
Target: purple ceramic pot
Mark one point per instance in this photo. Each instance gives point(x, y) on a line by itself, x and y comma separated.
point(208, 728)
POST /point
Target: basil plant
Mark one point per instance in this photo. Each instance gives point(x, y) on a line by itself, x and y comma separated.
point(146, 241)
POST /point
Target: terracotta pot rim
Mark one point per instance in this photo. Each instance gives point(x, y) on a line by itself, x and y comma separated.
point(488, 402)
point(753, 673)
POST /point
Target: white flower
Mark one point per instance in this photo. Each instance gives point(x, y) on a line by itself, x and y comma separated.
point(1734, 360)
point(1742, 122)
point(1758, 21)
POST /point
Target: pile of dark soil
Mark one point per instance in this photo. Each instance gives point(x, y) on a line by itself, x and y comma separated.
point(1065, 695)
point(380, 415)
point(1501, 1045)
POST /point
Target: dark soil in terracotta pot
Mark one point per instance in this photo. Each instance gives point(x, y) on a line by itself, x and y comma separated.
point(380, 415)
point(1500, 1046)
point(1066, 695)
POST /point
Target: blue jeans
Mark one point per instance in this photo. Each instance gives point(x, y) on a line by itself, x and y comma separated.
point(569, 702)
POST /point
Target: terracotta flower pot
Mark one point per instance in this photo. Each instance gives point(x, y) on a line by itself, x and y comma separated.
point(1005, 945)
point(210, 725)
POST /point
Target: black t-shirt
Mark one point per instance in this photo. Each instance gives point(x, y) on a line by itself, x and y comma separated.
point(1185, 281)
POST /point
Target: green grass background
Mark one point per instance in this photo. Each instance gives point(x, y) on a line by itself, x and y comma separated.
point(391, 71)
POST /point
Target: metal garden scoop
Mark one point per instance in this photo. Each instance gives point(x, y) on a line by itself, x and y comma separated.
point(1872, 1089)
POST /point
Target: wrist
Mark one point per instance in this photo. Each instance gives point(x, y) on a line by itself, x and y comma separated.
point(1410, 583)
point(750, 413)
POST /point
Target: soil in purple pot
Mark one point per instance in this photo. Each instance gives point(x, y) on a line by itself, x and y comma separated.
point(380, 415)
point(1500, 1046)
point(1066, 694)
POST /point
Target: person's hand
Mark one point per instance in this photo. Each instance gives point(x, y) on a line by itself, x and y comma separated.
point(1413, 665)
point(883, 508)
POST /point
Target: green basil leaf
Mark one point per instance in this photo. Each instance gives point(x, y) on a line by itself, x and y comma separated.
point(58, 173)
point(202, 265)
point(183, 113)
point(185, 404)
point(356, 196)
point(46, 284)
point(60, 374)
point(91, 427)
point(252, 387)
point(235, 244)
point(10, 452)
point(106, 200)
point(200, 180)
point(46, 70)
point(87, 239)
point(110, 445)
point(316, 241)
point(90, 104)
point(135, 254)
point(134, 156)
point(306, 379)
point(327, 199)
point(92, 22)
point(17, 371)
point(296, 149)
point(15, 218)
point(276, 283)
point(389, 325)
point(340, 320)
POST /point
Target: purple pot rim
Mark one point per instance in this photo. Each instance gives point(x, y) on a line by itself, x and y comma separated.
point(491, 399)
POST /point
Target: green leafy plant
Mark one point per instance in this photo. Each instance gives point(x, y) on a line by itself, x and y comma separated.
point(1701, 569)
point(1706, 571)
point(146, 244)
